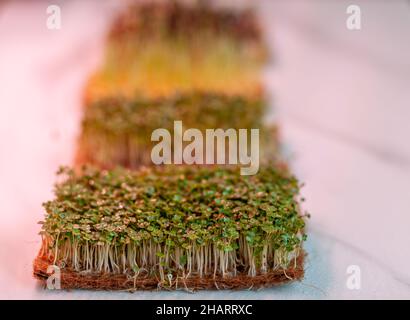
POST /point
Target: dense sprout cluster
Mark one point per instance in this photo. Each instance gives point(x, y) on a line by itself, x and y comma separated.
point(177, 207)
point(172, 19)
point(117, 131)
point(158, 68)
point(139, 117)
point(155, 50)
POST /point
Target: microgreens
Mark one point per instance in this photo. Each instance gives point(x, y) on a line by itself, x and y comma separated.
point(175, 212)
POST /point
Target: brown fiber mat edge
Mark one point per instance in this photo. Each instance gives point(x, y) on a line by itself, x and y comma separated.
point(76, 280)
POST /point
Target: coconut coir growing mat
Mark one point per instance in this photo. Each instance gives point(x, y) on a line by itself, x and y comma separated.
point(71, 279)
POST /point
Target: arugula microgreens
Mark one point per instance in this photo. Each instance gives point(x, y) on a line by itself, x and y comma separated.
point(117, 131)
point(194, 219)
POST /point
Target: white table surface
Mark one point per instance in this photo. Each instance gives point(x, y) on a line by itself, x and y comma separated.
point(343, 102)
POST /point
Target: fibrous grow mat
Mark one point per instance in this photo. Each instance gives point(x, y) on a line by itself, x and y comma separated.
point(173, 228)
point(157, 49)
point(117, 131)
